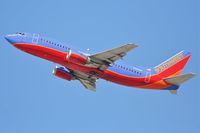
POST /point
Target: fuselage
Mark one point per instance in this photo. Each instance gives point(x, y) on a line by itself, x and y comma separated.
point(75, 59)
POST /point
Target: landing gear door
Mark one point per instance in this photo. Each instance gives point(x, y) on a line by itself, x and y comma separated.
point(35, 38)
point(148, 76)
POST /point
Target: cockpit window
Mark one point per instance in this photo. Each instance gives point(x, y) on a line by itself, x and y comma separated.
point(20, 33)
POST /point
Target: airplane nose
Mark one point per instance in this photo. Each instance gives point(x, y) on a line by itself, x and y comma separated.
point(10, 39)
point(7, 37)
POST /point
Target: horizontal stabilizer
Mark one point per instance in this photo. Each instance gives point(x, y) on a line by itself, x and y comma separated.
point(177, 80)
point(173, 92)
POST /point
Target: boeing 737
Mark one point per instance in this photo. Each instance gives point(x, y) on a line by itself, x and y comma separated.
point(86, 67)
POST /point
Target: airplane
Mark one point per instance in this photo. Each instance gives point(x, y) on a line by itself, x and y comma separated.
point(88, 67)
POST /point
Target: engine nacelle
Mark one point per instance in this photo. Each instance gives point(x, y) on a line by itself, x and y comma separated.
point(61, 72)
point(78, 58)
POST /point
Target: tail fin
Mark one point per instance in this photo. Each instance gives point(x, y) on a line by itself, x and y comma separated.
point(174, 65)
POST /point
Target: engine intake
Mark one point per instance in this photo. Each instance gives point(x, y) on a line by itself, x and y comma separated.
point(61, 72)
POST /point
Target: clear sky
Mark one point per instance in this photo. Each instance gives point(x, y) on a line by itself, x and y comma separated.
point(32, 100)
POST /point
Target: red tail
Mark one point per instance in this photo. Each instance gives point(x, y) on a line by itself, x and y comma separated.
point(174, 65)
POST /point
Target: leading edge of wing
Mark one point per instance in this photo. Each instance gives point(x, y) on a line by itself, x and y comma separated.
point(104, 59)
point(114, 52)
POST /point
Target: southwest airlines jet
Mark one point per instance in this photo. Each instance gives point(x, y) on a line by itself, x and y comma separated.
point(87, 67)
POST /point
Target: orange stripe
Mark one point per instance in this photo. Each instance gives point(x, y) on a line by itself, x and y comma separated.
point(161, 84)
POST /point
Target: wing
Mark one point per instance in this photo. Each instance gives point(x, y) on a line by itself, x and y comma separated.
point(88, 81)
point(88, 84)
point(104, 59)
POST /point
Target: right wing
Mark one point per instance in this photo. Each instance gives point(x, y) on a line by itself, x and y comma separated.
point(104, 59)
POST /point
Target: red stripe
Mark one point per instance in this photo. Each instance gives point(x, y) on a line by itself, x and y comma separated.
point(127, 80)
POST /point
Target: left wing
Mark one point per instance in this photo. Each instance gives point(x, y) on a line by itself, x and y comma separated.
point(88, 84)
point(88, 81)
point(104, 59)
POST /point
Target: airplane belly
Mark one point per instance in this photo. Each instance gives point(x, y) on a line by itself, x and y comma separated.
point(43, 52)
point(139, 82)
point(84, 69)
point(58, 57)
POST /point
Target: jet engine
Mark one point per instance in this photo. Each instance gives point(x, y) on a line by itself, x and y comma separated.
point(61, 72)
point(78, 58)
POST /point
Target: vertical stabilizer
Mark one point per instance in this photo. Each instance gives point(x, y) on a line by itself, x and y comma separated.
point(174, 65)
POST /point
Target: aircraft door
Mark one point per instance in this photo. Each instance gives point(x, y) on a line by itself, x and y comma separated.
point(148, 76)
point(69, 53)
point(35, 38)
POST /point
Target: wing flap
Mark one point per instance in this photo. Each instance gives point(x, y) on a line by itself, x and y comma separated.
point(88, 81)
point(88, 84)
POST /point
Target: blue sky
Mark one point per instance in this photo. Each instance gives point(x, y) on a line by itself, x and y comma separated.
point(33, 100)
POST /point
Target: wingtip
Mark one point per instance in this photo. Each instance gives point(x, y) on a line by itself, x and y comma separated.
point(193, 74)
point(133, 44)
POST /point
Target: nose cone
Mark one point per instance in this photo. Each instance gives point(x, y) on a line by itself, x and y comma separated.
point(11, 39)
point(7, 37)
